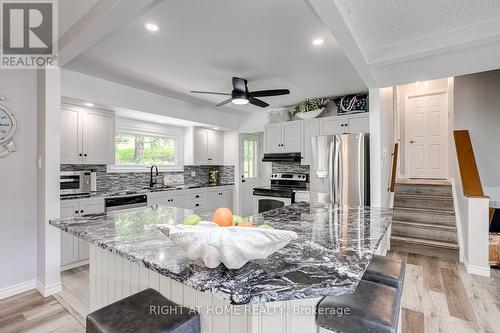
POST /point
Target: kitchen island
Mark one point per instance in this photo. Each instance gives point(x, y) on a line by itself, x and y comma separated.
point(335, 245)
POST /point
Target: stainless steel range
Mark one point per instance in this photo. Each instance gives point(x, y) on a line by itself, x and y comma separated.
point(282, 192)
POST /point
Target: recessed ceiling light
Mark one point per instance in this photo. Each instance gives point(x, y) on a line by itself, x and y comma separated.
point(216, 128)
point(318, 41)
point(151, 27)
point(90, 105)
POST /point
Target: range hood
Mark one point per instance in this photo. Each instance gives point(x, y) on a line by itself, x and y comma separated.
point(281, 157)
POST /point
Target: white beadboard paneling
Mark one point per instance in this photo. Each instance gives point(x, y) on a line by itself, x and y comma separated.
point(113, 277)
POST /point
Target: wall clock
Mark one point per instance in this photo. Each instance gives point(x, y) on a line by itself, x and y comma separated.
point(8, 128)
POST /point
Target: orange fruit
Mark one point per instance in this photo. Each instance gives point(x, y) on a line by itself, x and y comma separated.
point(223, 217)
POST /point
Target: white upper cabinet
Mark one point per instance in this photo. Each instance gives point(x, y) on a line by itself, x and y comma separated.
point(98, 137)
point(309, 130)
point(87, 136)
point(285, 137)
point(71, 145)
point(204, 146)
point(215, 147)
point(292, 137)
point(272, 138)
point(358, 123)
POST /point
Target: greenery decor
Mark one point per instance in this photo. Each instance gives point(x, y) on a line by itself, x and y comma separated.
point(312, 104)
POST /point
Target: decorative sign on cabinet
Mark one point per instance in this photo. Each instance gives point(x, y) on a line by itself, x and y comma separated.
point(295, 136)
point(87, 136)
point(204, 146)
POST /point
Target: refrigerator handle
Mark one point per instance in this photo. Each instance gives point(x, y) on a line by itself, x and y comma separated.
point(331, 175)
point(338, 171)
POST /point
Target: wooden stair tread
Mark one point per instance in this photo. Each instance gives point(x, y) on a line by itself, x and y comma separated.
point(426, 242)
point(436, 182)
point(425, 196)
point(426, 210)
point(441, 226)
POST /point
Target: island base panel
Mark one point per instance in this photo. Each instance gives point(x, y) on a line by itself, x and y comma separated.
point(113, 277)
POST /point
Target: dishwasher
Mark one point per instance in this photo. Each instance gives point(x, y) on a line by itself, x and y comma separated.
point(126, 202)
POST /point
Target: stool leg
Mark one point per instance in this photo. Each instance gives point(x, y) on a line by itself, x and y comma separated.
point(400, 320)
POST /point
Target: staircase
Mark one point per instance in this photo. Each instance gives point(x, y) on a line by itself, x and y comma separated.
point(424, 219)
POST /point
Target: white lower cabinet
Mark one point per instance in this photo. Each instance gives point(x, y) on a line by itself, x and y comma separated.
point(221, 197)
point(75, 251)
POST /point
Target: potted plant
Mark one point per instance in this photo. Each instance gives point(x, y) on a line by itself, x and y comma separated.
point(311, 108)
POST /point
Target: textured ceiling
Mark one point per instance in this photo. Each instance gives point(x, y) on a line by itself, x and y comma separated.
point(202, 44)
point(381, 23)
point(71, 11)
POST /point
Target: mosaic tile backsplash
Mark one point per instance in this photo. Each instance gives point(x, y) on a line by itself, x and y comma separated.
point(290, 167)
point(114, 182)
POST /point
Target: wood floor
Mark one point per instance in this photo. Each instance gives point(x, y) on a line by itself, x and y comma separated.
point(438, 296)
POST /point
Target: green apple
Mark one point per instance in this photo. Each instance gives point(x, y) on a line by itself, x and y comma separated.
point(265, 226)
point(192, 220)
point(237, 220)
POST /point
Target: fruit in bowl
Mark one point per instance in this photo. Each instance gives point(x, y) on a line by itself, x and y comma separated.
point(223, 217)
point(192, 220)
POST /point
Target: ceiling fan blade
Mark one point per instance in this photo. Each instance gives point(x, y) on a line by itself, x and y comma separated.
point(224, 102)
point(239, 84)
point(258, 102)
point(209, 92)
point(268, 93)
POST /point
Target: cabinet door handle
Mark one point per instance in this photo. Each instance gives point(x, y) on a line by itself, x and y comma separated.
point(197, 196)
point(80, 155)
point(82, 211)
point(76, 212)
point(85, 155)
point(197, 205)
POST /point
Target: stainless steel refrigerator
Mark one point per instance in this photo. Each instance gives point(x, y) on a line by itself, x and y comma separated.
point(340, 169)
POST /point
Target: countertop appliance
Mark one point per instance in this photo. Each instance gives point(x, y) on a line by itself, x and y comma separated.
point(340, 168)
point(281, 192)
point(74, 182)
point(126, 202)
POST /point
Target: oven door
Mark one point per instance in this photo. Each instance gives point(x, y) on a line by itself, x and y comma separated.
point(265, 203)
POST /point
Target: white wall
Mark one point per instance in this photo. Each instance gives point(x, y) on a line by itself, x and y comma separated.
point(477, 109)
point(18, 182)
point(111, 94)
point(381, 144)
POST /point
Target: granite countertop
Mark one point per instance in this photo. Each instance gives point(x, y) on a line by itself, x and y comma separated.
point(141, 191)
point(334, 247)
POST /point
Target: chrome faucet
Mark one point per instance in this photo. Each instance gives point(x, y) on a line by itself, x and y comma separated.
point(151, 182)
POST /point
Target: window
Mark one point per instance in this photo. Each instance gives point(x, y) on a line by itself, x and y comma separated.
point(138, 145)
point(250, 156)
point(137, 149)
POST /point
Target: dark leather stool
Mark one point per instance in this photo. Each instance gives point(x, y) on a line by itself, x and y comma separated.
point(373, 307)
point(147, 311)
point(386, 271)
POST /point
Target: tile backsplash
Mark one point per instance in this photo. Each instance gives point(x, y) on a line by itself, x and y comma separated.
point(291, 167)
point(114, 182)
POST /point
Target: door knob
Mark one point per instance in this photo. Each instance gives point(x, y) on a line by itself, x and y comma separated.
point(411, 141)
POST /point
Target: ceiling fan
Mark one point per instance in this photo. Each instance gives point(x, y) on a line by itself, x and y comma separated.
point(241, 96)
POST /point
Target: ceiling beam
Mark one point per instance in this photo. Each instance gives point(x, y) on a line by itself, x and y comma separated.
point(105, 17)
point(329, 14)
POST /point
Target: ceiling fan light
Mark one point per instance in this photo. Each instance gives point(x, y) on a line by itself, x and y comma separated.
point(239, 101)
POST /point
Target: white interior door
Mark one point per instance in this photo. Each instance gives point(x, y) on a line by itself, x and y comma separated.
point(250, 165)
point(427, 135)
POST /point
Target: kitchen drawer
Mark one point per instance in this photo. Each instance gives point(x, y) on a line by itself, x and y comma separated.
point(197, 195)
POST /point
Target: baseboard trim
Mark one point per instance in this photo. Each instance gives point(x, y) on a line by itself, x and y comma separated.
point(477, 270)
point(48, 290)
point(17, 289)
point(75, 265)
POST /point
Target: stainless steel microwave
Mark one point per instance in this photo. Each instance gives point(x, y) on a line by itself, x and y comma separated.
point(75, 182)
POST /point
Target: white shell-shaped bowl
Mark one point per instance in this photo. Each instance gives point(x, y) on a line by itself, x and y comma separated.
point(310, 114)
point(231, 246)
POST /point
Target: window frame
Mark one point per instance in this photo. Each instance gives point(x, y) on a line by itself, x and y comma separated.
point(137, 127)
point(254, 139)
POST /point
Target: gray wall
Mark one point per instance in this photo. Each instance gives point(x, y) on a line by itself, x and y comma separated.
point(477, 109)
point(18, 182)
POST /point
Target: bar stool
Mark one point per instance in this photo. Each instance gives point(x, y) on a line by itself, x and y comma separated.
point(386, 271)
point(373, 307)
point(147, 311)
